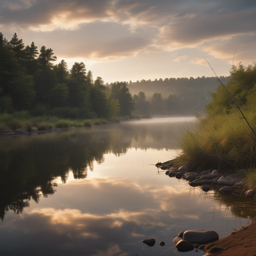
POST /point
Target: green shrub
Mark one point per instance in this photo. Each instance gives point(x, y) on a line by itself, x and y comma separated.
point(87, 124)
point(63, 124)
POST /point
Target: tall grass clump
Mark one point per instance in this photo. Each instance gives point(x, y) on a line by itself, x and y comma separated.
point(223, 138)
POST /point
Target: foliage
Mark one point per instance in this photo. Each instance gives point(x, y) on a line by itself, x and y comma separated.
point(120, 92)
point(223, 135)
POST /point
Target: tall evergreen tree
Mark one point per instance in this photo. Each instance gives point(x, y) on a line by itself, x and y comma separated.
point(120, 92)
point(17, 47)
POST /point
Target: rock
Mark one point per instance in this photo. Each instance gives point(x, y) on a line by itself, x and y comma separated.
point(238, 184)
point(179, 175)
point(201, 247)
point(162, 243)
point(250, 193)
point(181, 234)
point(190, 176)
point(206, 188)
point(172, 173)
point(200, 236)
point(206, 172)
point(199, 182)
point(164, 167)
point(196, 245)
point(184, 246)
point(228, 180)
point(177, 239)
point(149, 242)
point(183, 169)
point(227, 189)
point(210, 176)
point(215, 172)
point(167, 172)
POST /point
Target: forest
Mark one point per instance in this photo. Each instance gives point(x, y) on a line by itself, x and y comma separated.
point(31, 80)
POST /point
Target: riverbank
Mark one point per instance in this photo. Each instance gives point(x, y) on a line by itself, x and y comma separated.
point(241, 242)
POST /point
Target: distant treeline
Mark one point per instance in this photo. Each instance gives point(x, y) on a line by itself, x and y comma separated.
point(29, 80)
point(174, 95)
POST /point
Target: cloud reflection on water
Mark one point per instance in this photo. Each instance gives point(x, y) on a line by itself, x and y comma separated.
point(99, 223)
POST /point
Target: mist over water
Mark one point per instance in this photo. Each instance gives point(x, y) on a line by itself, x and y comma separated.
point(97, 192)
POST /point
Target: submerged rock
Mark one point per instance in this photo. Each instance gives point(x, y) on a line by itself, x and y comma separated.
point(149, 242)
point(162, 243)
point(206, 188)
point(227, 189)
point(184, 246)
point(200, 236)
point(250, 193)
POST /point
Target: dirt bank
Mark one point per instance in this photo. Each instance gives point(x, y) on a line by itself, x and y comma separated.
point(240, 243)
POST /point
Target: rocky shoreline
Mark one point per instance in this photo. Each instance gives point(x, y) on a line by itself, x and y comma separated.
point(238, 243)
point(228, 182)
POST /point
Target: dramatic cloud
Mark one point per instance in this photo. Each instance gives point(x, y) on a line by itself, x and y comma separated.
point(116, 29)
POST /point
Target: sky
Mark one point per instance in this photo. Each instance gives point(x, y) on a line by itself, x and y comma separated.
point(123, 40)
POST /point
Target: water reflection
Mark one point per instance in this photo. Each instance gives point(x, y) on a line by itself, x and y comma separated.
point(30, 164)
point(111, 211)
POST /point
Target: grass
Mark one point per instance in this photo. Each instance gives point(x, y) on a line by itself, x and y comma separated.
point(222, 142)
point(24, 120)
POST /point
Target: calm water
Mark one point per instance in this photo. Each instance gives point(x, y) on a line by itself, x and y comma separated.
point(97, 192)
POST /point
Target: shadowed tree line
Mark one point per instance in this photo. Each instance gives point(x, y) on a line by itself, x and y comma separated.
point(30, 80)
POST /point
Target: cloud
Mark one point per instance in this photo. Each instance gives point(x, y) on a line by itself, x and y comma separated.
point(115, 29)
point(178, 59)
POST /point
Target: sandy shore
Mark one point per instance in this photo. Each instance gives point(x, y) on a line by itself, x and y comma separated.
point(240, 243)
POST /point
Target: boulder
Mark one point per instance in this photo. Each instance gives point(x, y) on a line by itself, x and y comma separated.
point(149, 242)
point(210, 176)
point(184, 246)
point(177, 239)
point(206, 188)
point(250, 193)
point(228, 180)
point(200, 236)
point(181, 234)
point(190, 176)
point(227, 189)
point(215, 171)
point(238, 184)
point(179, 175)
point(206, 172)
point(195, 183)
point(167, 172)
point(172, 173)
point(183, 169)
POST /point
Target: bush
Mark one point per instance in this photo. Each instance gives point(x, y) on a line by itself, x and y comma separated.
point(87, 124)
point(63, 124)
point(72, 113)
point(39, 110)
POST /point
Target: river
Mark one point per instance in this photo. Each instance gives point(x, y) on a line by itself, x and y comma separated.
point(96, 191)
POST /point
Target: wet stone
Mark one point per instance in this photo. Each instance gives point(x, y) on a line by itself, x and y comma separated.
point(149, 242)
